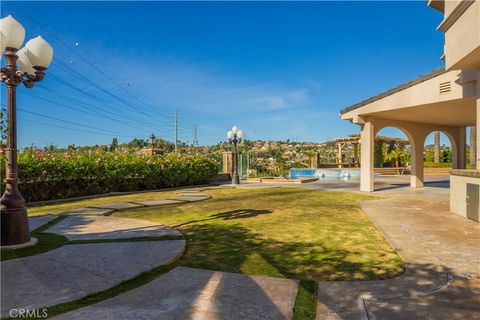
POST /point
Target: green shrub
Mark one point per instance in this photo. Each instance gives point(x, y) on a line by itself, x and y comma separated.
point(46, 176)
point(429, 164)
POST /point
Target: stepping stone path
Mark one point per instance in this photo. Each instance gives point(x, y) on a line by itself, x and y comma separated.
point(119, 206)
point(154, 203)
point(106, 209)
point(193, 198)
point(35, 222)
point(87, 211)
point(74, 271)
point(99, 228)
point(186, 293)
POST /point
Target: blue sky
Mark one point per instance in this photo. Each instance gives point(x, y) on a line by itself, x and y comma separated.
point(278, 70)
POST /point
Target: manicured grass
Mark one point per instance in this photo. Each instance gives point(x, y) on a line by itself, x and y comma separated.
point(306, 301)
point(46, 242)
point(55, 208)
point(280, 232)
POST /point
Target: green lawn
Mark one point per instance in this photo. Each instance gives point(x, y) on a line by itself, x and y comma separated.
point(281, 232)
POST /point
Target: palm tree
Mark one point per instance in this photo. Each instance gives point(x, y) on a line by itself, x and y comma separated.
point(473, 145)
point(436, 147)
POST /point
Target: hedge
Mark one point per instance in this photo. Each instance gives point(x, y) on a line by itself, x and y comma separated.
point(48, 176)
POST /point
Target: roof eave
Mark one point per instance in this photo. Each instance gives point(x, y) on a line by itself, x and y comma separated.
point(401, 87)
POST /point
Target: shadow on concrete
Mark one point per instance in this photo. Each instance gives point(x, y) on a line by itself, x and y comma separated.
point(424, 291)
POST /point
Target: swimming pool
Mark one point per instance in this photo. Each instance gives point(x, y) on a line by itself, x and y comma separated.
point(326, 174)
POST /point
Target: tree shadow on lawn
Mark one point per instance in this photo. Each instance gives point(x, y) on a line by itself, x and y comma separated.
point(234, 248)
point(229, 215)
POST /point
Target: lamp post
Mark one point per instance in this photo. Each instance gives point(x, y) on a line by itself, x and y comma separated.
point(234, 137)
point(25, 66)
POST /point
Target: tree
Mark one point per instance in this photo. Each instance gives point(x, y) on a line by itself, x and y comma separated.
point(114, 145)
point(378, 155)
point(399, 155)
point(473, 145)
point(436, 147)
point(137, 143)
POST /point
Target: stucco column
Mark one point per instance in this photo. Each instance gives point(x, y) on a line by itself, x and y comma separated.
point(459, 156)
point(416, 177)
point(478, 132)
point(228, 162)
point(367, 139)
point(478, 120)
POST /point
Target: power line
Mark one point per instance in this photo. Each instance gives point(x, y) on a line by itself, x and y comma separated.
point(67, 121)
point(93, 110)
point(98, 115)
point(59, 39)
point(68, 69)
point(67, 128)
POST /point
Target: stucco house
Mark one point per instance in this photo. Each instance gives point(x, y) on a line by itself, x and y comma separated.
point(446, 100)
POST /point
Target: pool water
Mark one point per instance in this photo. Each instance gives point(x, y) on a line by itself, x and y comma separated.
point(326, 174)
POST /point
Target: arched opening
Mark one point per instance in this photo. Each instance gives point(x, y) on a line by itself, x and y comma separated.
point(392, 151)
point(439, 152)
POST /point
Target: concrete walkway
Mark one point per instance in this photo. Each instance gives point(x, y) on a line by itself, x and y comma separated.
point(442, 255)
point(101, 228)
point(36, 222)
point(186, 293)
point(74, 271)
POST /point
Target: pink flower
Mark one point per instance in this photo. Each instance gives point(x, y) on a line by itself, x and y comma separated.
point(44, 172)
point(38, 151)
point(67, 155)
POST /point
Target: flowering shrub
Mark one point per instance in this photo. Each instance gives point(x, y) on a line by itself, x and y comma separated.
point(45, 176)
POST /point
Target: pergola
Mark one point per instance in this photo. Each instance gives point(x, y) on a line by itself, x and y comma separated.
point(355, 141)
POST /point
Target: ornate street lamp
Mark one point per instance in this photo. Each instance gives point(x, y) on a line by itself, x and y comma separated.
point(26, 66)
point(235, 136)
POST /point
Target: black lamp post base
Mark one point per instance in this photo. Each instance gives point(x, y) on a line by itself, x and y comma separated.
point(14, 226)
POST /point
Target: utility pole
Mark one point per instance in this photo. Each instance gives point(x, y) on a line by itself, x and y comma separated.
point(195, 140)
point(176, 132)
point(152, 140)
